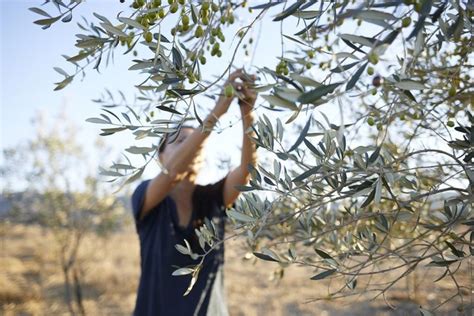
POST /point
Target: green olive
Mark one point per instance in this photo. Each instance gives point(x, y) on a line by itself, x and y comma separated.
point(406, 21)
point(418, 6)
point(373, 58)
point(229, 91)
point(199, 32)
point(452, 91)
point(174, 7)
point(148, 37)
point(185, 19)
point(152, 16)
point(370, 71)
point(180, 74)
point(161, 13)
point(204, 13)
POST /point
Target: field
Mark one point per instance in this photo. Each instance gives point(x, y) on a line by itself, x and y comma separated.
point(31, 281)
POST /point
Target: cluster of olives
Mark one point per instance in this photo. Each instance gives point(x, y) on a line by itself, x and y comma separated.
point(203, 25)
point(282, 68)
point(312, 35)
point(127, 40)
point(371, 122)
point(202, 29)
point(192, 77)
point(193, 56)
point(403, 116)
point(310, 54)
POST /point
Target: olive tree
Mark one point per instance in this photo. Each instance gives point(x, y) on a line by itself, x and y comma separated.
point(385, 186)
point(61, 194)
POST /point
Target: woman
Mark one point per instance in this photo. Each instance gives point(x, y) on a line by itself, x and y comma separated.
point(169, 207)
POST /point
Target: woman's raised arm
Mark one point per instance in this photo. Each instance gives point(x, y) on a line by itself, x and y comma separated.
point(176, 164)
point(240, 175)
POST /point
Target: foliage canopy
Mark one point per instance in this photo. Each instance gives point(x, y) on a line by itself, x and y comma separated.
point(390, 185)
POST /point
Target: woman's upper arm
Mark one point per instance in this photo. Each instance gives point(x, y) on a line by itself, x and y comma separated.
point(137, 199)
point(235, 177)
point(150, 194)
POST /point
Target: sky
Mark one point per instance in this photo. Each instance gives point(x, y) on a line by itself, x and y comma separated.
point(29, 53)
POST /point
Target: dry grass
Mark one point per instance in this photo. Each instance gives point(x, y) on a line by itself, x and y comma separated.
point(31, 281)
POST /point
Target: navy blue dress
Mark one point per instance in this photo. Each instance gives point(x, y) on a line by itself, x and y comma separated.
point(160, 293)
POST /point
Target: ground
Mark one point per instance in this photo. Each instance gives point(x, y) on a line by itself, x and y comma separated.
point(31, 281)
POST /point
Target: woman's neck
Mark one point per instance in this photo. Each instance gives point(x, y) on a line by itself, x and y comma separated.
point(182, 192)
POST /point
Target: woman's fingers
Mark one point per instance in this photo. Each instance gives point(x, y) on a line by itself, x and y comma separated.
point(240, 74)
point(234, 75)
point(238, 88)
point(244, 93)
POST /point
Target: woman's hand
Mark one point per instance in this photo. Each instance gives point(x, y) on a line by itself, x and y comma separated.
point(224, 100)
point(248, 95)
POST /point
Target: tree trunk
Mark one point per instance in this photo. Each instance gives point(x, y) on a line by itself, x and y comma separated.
point(67, 290)
point(78, 293)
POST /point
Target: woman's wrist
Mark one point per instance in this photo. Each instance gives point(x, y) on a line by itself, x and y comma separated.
point(209, 122)
point(247, 118)
point(222, 105)
point(246, 108)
